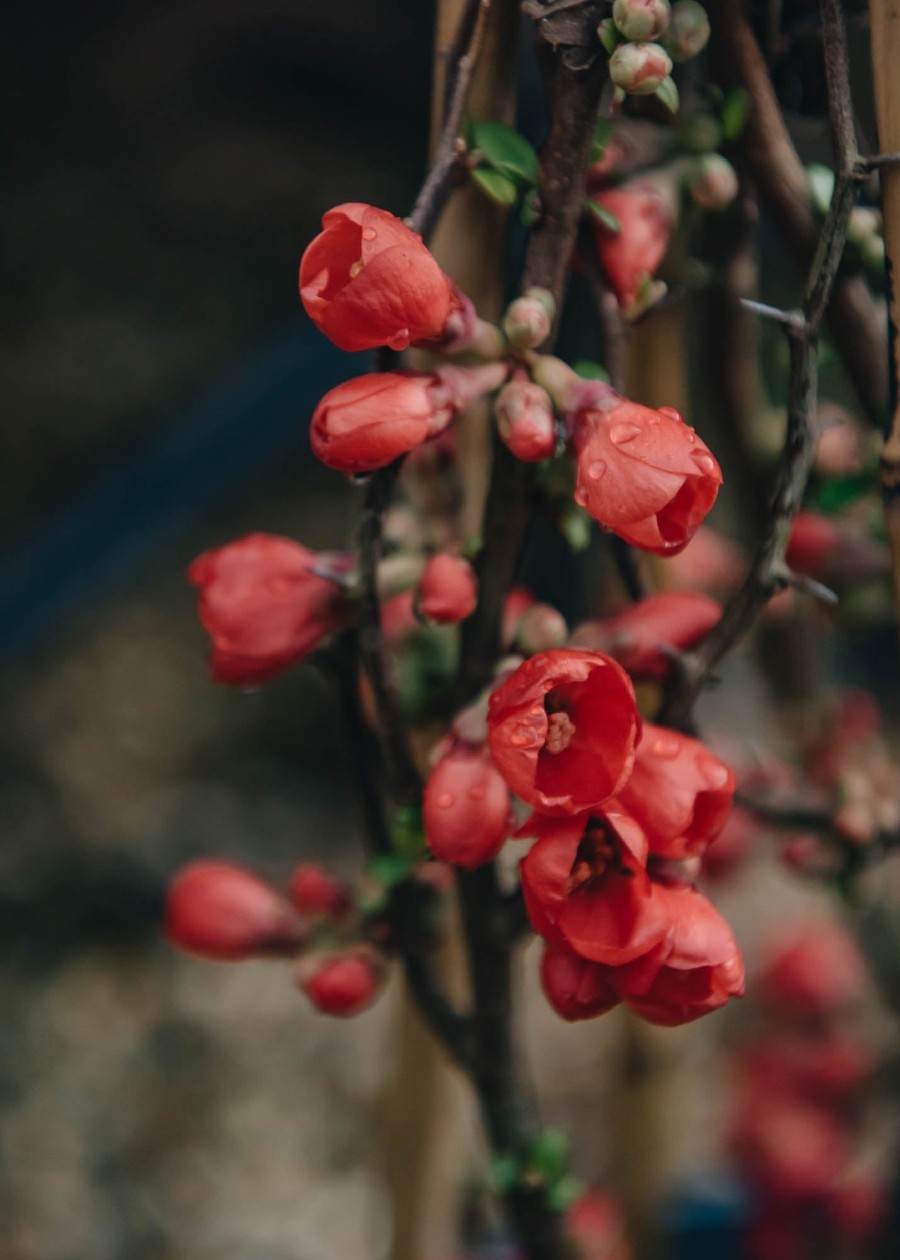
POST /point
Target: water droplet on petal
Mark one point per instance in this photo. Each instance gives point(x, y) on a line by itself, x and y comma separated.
point(624, 432)
point(691, 436)
point(714, 771)
point(667, 747)
point(369, 234)
point(445, 800)
point(581, 497)
point(704, 462)
point(596, 470)
point(670, 413)
point(477, 792)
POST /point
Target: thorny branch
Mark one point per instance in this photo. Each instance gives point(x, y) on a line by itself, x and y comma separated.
point(769, 573)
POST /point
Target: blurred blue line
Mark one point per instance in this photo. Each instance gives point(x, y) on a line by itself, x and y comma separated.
point(245, 419)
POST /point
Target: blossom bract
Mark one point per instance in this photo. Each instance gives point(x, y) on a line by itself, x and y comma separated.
point(466, 810)
point(264, 607)
point(367, 280)
point(563, 729)
point(679, 792)
point(645, 475)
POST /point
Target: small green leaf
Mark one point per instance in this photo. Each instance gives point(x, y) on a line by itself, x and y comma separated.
point(590, 370)
point(506, 151)
point(390, 869)
point(603, 133)
point(604, 216)
point(735, 109)
point(504, 1172)
point(838, 494)
point(550, 1155)
point(531, 208)
point(496, 186)
point(562, 1194)
point(820, 182)
point(667, 93)
point(609, 35)
point(575, 527)
point(407, 836)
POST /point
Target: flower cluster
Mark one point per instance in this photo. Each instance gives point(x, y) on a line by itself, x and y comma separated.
point(802, 1081)
point(224, 913)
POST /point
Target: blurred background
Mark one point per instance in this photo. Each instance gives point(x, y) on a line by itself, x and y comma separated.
point(168, 164)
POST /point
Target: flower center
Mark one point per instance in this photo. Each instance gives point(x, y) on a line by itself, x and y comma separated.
point(597, 853)
point(560, 729)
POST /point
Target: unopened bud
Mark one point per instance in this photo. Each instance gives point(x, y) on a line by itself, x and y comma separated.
point(466, 810)
point(223, 912)
point(541, 629)
point(343, 983)
point(525, 420)
point(641, 19)
point(715, 184)
point(316, 893)
point(448, 591)
point(688, 32)
point(528, 319)
point(639, 68)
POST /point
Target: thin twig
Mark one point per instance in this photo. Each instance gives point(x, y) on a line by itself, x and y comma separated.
point(446, 169)
point(767, 574)
point(766, 152)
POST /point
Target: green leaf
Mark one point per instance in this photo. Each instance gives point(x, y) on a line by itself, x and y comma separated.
point(604, 216)
point(496, 186)
point(603, 133)
point(820, 182)
point(407, 835)
point(504, 1172)
point(506, 151)
point(590, 370)
point(390, 869)
point(836, 495)
point(575, 527)
point(735, 109)
point(550, 1155)
point(562, 1194)
point(667, 94)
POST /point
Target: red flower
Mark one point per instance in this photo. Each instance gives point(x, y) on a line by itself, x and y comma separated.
point(696, 969)
point(585, 887)
point(466, 810)
point(447, 589)
point(631, 256)
point(372, 420)
point(576, 988)
point(263, 607)
point(816, 971)
point(563, 728)
point(644, 474)
point(345, 983)
point(225, 913)
point(679, 792)
point(643, 637)
point(368, 281)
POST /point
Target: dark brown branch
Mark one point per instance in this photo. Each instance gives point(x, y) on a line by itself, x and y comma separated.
point(766, 152)
point(769, 573)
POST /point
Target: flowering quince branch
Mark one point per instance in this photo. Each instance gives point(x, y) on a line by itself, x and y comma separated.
point(769, 573)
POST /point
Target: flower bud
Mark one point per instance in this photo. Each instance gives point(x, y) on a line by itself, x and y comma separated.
point(576, 988)
point(225, 913)
point(528, 319)
point(641, 19)
point(447, 591)
point(316, 893)
point(465, 810)
point(639, 68)
point(688, 32)
point(715, 185)
point(344, 983)
point(541, 629)
point(525, 420)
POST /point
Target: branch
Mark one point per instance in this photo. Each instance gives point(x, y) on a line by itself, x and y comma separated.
point(766, 152)
point(769, 573)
